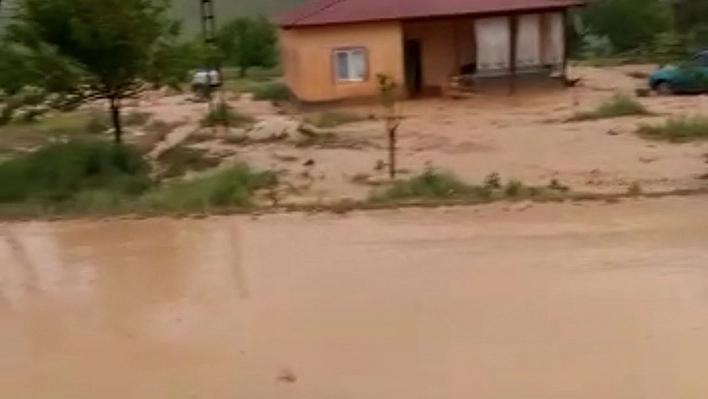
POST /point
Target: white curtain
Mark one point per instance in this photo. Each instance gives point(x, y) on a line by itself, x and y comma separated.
point(553, 39)
point(528, 42)
point(493, 43)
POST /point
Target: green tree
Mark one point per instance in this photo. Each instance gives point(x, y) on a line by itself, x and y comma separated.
point(628, 24)
point(248, 42)
point(114, 44)
point(691, 20)
point(42, 67)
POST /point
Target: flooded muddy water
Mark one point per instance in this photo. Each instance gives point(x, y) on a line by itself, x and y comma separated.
point(555, 301)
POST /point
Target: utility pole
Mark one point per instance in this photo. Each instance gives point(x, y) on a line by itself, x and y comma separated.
point(209, 34)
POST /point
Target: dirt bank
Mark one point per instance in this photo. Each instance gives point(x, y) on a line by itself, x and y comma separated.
point(553, 301)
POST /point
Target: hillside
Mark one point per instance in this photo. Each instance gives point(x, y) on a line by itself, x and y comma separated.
point(188, 10)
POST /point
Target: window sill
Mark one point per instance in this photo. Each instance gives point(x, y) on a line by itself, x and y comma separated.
point(350, 81)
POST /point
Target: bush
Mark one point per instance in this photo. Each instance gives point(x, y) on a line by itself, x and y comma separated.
point(433, 184)
point(430, 184)
point(224, 115)
point(513, 188)
point(628, 24)
point(493, 181)
point(230, 187)
point(58, 172)
point(6, 113)
point(618, 105)
point(677, 129)
point(276, 91)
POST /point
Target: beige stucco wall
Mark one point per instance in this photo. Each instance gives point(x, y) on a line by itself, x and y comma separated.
point(439, 39)
point(307, 55)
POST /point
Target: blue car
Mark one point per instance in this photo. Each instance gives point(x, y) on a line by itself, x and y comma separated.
point(691, 77)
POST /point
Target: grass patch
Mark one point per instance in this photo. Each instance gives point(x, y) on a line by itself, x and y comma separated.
point(434, 184)
point(431, 184)
point(179, 160)
point(328, 120)
point(70, 125)
point(98, 123)
point(677, 130)
point(616, 106)
point(55, 174)
point(256, 74)
point(225, 115)
point(274, 91)
point(136, 118)
point(80, 178)
point(232, 187)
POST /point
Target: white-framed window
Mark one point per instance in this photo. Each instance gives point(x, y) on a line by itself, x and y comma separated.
point(350, 64)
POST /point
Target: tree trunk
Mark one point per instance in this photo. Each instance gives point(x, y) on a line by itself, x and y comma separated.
point(243, 72)
point(115, 117)
point(392, 127)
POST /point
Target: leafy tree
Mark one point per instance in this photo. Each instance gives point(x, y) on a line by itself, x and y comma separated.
point(670, 47)
point(629, 24)
point(172, 62)
point(115, 45)
point(248, 42)
point(43, 67)
point(691, 20)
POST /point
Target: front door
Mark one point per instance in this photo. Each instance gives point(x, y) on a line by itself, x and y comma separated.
point(414, 66)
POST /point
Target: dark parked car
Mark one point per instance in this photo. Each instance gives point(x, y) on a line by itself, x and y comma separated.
point(689, 77)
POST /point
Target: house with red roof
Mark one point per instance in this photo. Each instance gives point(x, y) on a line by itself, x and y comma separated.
point(334, 49)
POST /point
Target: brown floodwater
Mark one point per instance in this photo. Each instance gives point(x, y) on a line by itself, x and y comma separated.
point(555, 301)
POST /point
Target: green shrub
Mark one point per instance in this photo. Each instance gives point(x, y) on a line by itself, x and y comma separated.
point(438, 185)
point(430, 184)
point(58, 172)
point(6, 113)
point(677, 129)
point(97, 201)
point(616, 106)
point(230, 187)
point(493, 181)
point(275, 91)
point(513, 188)
point(225, 115)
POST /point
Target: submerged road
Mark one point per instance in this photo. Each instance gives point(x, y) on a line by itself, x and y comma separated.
point(557, 301)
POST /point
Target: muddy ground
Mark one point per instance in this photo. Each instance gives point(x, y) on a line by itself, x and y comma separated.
point(558, 301)
point(525, 137)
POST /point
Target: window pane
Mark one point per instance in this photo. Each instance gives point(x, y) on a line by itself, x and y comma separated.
point(342, 61)
point(358, 65)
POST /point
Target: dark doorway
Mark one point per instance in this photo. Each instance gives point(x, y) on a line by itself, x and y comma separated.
point(414, 66)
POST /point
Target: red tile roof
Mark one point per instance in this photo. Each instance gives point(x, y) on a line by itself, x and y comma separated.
point(326, 12)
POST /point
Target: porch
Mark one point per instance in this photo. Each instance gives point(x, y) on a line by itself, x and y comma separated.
point(457, 55)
